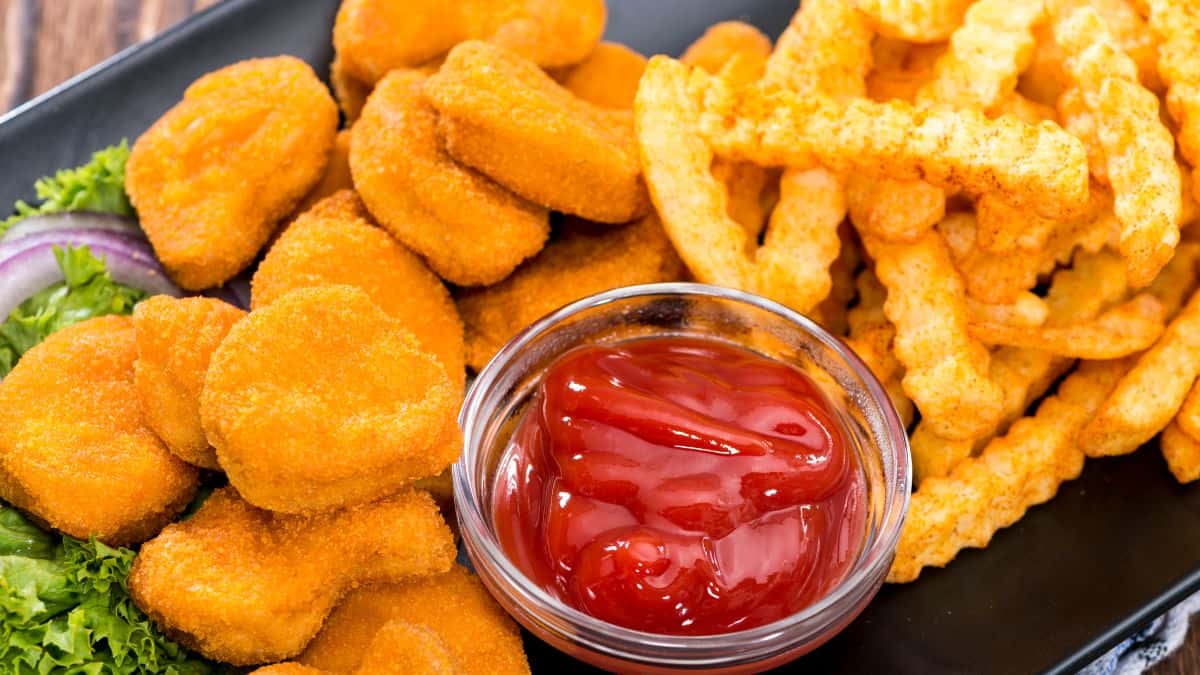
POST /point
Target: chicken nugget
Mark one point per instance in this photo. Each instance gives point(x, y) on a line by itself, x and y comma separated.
point(469, 229)
point(336, 177)
point(336, 242)
point(608, 77)
point(74, 452)
point(374, 37)
point(321, 400)
point(583, 261)
point(574, 157)
point(176, 339)
point(214, 175)
point(246, 586)
point(399, 648)
point(480, 636)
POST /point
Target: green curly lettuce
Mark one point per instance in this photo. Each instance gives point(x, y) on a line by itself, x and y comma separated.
point(98, 185)
point(65, 608)
point(88, 291)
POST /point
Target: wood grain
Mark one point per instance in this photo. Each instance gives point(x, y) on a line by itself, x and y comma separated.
point(48, 41)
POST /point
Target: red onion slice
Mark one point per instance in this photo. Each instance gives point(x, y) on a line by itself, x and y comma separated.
point(33, 269)
point(72, 220)
point(133, 246)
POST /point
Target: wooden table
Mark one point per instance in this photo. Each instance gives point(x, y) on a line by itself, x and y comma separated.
point(46, 41)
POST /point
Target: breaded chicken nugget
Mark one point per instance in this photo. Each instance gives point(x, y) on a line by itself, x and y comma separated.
point(608, 77)
point(586, 259)
point(216, 173)
point(336, 177)
point(373, 37)
point(176, 339)
point(322, 400)
point(334, 243)
point(481, 637)
point(469, 229)
point(246, 586)
point(398, 648)
point(74, 452)
point(573, 156)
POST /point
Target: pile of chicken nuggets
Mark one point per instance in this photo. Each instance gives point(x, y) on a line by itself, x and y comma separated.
point(991, 202)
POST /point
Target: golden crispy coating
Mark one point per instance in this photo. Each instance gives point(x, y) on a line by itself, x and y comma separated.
point(374, 37)
point(1076, 294)
point(1016, 471)
point(871, 336)
point(321, 400)
point(915, 20)
point(585, 260)
point(723, 42)
point(1040, 167)
point(398, 648)
point(502, 115)
point(894, 210)
point(246, 586)
point(351, 94)
point(946, 370)
point(608, 77)
point(176, 339)
point(1027, 311)
point(74, 452)
point(1139, 150)
point(826, 47)
point(337, 174)
point(1151, 394)
point(480, 636)
point(469, 229)
point(216, 173)
point(334, 243)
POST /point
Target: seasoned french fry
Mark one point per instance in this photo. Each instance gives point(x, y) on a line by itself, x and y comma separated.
point(1014, 472)
point(1076, 294)
point(1039, 167)
point(946, 370)
point(826, 47)
point(1121, 331)
point(1028, 311)
point(726, 41)
point(1151, 394)
point(871, 336)
point(1178, 22)
point(915, 20)
point(986, 55)
point(1176, 282)
point(993, 278)
point(894, 210)
point(1182, 453)
point(1188, 418)
point(1139, 151)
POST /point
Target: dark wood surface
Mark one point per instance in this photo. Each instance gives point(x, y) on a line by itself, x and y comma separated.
point(43, 42)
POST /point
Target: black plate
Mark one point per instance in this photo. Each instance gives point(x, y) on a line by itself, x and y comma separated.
point(1113, 550)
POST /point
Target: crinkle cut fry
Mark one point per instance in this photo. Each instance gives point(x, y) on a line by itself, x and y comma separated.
point(871, 336)
point(1139, 151)
point(1121, 331)
point(1178, 22)
point(677, 162)
point(946, 370)
point(1016, 471)
point(1038, 167)
point(1182, 452)
point(1151, 394)
point(1077, 293)
point(915, 20)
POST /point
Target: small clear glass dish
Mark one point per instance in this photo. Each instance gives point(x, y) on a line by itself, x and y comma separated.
point(501, 392)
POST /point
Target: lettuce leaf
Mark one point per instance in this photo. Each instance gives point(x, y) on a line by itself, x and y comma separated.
point(88, 291)
point(71, 613)
point(98, 185)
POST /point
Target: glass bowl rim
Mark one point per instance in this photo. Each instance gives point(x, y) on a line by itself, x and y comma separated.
point(586, 628)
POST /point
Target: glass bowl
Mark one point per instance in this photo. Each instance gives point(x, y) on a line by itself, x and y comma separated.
point(499, 397)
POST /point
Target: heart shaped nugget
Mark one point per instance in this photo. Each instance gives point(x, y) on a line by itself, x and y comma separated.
point(321, 400)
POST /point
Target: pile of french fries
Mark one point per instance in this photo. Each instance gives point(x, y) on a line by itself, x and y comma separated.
point(1019, 270)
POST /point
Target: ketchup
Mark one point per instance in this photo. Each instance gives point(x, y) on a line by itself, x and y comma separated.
point(680, 485)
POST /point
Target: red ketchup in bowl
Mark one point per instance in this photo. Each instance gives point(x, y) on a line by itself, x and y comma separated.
point(680, 485)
